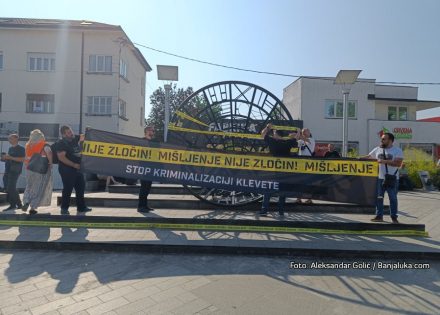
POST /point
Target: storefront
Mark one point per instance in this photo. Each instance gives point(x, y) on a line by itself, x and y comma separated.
point(372, 109)
point(424, 136)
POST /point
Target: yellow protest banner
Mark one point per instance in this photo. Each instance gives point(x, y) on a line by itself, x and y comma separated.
point(235, 161)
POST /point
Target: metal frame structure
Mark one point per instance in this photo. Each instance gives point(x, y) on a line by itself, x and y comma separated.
point(227, 116)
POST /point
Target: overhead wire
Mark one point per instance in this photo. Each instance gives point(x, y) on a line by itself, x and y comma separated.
point(269, 72)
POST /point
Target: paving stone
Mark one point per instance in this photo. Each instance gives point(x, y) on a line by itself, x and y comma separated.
point(26, 305)
point(80, 306)
point(136, 307)
point(107, 306)
point(91, 293)
point(52, 306)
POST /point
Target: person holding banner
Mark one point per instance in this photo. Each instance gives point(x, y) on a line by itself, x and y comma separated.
point(306, 146)
point(144, 191)
point(69, 157)
point(279, 146)
point(331, 153)
point(390, 159)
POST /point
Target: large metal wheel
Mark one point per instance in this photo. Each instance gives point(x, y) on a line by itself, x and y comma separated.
point(227, 116)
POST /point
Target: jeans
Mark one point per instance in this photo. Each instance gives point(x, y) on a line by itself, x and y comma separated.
point(392, 195)
point(266, 201)
point(143, 193)
point(72, 178)
point(11, 189)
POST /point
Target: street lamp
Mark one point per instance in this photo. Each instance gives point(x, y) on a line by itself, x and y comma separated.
point(167, 73)
point(346, 78)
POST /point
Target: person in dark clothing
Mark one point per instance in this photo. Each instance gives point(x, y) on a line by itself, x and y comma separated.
point(69, 163)
point(278, 146)
point(13, 167)
point(331, 153)
point(145, 184)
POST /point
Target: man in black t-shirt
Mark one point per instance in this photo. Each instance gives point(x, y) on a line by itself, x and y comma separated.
point(331, 153)
point(69, 163)
point(13, 166)
point(278, 146)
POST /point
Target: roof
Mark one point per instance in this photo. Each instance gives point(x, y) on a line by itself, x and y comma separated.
point(54, 23)
point(373, 97)
point(359, 80)
point(420, 104)
point(431, 119)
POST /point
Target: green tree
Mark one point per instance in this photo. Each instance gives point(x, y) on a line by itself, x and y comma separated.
point(157, 101)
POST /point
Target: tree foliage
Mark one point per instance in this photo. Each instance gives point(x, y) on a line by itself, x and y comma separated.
point(157, 101)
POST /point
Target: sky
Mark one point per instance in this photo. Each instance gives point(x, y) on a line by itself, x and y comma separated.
point(389, 40)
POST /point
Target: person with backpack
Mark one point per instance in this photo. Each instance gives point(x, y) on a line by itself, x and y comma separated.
point(39, 183)
point(69, 163)
point(306, 145)
point(390, 159)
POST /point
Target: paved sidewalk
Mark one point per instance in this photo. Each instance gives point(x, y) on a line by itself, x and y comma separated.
point(65, 282)
point(84, 282)
point(416, 207)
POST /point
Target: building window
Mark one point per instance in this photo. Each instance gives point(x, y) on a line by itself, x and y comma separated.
point(403, 113)
point(41, 62)
point(100, 63)
point(40, 103)
point(334, 109)
point(99, 105)
point(123, 69)
point(1, 60)
point(392, 113)
point(397, 113)
point(428, 148)
point(122, 109)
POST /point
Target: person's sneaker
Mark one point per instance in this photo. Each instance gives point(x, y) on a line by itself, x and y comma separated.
point(25, 207)
point(149, 209)
point(33, 211)
point(143, 210)
point(9, 208)
point(86, 209)
point(281, 213)
point(377, 219)
point(263, 213)
point(395, 221)
point(64, 211)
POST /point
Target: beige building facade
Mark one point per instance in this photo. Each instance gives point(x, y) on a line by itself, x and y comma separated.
point(80, 73)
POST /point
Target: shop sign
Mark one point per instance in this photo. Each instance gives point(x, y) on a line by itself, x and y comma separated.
point(398, 132)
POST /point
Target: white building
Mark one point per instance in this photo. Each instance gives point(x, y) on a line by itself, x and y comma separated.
point(56, 72)
point(52, 70)
point(372, 109)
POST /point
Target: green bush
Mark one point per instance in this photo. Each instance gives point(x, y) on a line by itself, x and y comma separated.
point(416, 160)
point(353, 153)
